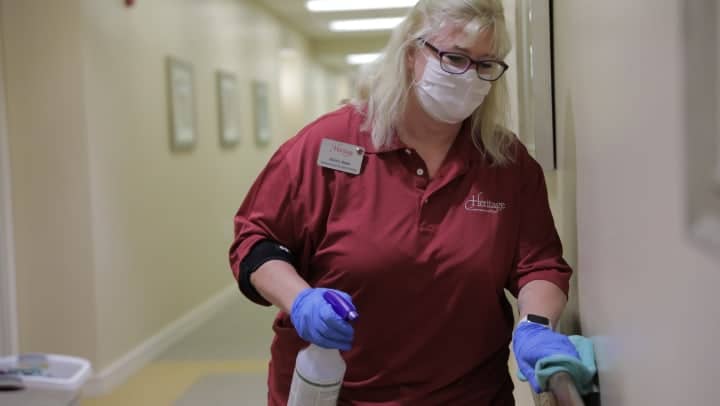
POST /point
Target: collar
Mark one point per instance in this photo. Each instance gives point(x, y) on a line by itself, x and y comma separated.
point(463, 146)
point(395, 144)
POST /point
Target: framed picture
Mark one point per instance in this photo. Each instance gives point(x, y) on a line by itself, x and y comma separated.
point(261, 113)
point(227, 89)
point(182, 104)
point(702, 132)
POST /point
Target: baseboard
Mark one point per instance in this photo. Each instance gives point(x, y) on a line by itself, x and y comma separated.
point(116, 373)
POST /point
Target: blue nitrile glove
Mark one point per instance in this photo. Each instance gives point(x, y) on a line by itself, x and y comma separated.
point(317, 322)
point(582, 371)
point(532, 342)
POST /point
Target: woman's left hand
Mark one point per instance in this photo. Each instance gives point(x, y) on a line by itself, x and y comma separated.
point(533, 342)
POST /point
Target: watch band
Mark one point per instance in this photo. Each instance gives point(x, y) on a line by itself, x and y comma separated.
point(537, 319)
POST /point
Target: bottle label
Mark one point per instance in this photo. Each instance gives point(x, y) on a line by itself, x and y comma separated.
point(303, 392)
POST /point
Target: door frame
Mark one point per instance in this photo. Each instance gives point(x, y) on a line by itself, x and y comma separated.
point(8, 304)
point(702, 144)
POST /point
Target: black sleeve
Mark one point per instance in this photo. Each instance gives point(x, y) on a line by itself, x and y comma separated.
point(260, 253)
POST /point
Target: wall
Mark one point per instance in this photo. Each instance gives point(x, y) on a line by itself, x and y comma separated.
point(511, 75)
point(561, 187)
point(138, 235)
point(8, 303)
point(50, 186)
point(646, 292)
point(560, 182)
point(163, 220)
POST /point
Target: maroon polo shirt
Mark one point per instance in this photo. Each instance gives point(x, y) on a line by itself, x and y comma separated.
point(425, 261)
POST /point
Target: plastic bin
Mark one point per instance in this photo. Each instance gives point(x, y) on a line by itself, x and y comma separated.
point(59, 385)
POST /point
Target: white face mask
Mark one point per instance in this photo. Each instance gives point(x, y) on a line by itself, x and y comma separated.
point(450, 98)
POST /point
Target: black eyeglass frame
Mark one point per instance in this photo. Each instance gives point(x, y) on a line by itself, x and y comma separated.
point(474, 62)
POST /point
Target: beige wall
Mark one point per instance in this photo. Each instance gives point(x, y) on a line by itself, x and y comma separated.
point(511, 75)
point(8, 303)
point(646, 292)
point(49, 166)
point(112, 228)
point(560, 182)
point(162, 219)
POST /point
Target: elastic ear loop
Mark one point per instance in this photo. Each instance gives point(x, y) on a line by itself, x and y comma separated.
point(421, 47)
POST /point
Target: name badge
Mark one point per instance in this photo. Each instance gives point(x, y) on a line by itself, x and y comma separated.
point(341, 156)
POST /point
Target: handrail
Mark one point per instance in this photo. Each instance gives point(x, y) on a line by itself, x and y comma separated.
point(561, 392)
point(563, 388)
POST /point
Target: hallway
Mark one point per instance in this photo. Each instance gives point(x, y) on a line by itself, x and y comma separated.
point(222, 363)
point(131, 131)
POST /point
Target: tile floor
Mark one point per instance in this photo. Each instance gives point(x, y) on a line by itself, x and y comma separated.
point(222, 363)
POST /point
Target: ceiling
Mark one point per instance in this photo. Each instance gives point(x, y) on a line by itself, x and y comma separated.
point(331, 47)
point(315, 25)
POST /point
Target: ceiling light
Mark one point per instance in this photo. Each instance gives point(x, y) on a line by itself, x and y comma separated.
point(361, 59)
point(366, 24)
point(347, 5)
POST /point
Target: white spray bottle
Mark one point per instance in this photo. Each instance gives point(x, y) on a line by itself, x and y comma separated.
point(319, 372)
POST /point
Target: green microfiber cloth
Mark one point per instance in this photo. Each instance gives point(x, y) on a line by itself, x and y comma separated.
point(582, 371)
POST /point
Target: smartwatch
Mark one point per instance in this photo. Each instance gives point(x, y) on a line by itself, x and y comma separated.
point(537, 319)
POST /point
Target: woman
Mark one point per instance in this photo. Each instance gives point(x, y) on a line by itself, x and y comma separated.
point(420, 207)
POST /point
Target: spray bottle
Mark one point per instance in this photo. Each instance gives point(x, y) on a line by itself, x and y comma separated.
point(319, 372)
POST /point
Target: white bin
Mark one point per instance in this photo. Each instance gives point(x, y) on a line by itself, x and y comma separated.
point(61, 387)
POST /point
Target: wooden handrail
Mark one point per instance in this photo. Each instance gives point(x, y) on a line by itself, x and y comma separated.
point(562, 392)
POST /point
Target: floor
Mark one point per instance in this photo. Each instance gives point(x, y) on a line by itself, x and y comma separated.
point(222, 363)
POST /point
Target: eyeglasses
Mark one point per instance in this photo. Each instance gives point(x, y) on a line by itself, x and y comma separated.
point(457, 64)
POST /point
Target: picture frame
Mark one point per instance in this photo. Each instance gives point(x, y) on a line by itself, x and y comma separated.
point(261, 111)
point(701, 21)
point(228, 108)
point(181, 101)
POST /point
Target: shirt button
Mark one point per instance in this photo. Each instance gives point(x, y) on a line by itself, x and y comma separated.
point(420, 172)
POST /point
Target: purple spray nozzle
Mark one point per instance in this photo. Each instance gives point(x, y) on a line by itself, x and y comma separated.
point(341, 306)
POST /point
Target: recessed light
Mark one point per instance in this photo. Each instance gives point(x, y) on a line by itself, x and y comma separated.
point(366, 24)
point(361, 59)
point(348, 5)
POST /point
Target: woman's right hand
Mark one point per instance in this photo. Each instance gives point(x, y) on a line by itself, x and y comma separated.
point(316, 321)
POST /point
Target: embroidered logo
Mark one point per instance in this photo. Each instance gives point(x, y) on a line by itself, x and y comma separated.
point(477, 203)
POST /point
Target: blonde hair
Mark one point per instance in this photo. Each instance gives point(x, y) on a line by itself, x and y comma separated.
point(384, 86)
